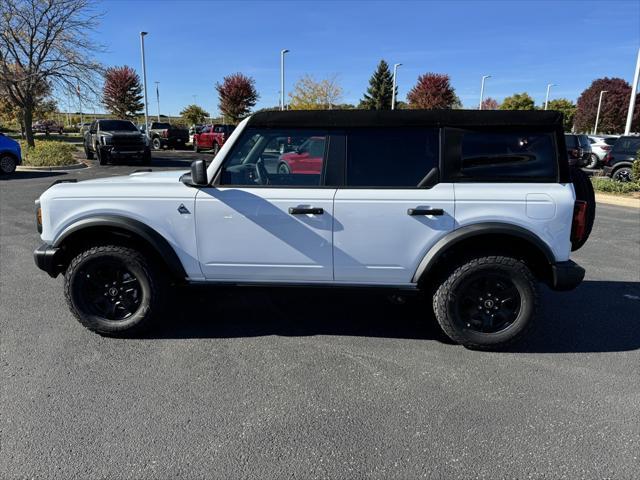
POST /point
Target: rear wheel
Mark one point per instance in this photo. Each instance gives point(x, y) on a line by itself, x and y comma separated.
point(622, 174)
point(593, 161)
point(216, 149)
point(8, 164)
point(487, 302)
point(196, 148)
point(283, 169)
point(113, 290)
point(156, 143)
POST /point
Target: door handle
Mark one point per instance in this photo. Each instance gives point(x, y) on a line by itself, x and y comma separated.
point(425, 211)
point(305, 211)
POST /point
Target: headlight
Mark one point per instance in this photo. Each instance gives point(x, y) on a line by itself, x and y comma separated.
point(38, 218)
point(106, 140)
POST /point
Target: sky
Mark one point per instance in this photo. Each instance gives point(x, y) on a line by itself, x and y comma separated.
point(523, 45)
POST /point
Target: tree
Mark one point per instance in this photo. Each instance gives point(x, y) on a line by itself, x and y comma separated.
point(237, 96)
point(122, 92)
point(615, 104)
point(44, 41)
point(433, 90)
point(380, 91)
point(308, 94)
point(44, 106)
point(518, 101)
point(490, 104)
point(194, 114)
point(568, 109)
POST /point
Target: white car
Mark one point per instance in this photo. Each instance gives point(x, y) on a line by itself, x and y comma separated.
point(471, 208)
point(600, 146)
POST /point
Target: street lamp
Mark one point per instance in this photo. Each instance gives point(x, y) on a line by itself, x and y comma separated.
point(484, 77)
point(632, 100)
point(393, 92)
point(158, 99)
point(282, 52)
point(144, 81)
point(595, 127)
point(546, 100)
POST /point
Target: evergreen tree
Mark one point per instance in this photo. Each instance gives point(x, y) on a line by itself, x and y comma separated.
point(380, 91)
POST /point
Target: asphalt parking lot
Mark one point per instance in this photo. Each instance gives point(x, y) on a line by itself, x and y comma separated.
point(315, 384)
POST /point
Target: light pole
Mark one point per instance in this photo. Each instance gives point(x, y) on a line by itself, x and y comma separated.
point(546, 99)
point(158, 99)
point(144, 83)
point(484, 77)
point(595, 127)
point(282, 52)
point(632, 100)
point(393, 91)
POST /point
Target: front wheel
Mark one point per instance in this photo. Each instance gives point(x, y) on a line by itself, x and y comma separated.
point(487, 302)
point(8, 164)
point(113, 290)
point(88, 153)
point(216, 149)
point(196, 148)
point(146, 157)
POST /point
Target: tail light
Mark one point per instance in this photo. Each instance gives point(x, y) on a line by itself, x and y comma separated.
point(165, 133)
point(607, 158)
point(579, 224)
point(606, 148)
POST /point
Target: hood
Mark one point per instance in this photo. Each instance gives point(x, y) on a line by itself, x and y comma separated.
point(170, 176)
point(121, 133)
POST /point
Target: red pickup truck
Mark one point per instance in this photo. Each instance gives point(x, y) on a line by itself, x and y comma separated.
point(211, 137)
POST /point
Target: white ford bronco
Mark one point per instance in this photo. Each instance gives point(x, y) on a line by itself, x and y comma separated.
point(472, 208)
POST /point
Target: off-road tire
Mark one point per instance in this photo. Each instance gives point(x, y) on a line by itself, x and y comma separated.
point(445, 298)
point(88, 154)
point(103, 157)
point(584, 191)
point(622, 174)
point(151, 281)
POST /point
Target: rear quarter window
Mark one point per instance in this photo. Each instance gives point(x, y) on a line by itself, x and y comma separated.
point(627, 145)
point(493, 156)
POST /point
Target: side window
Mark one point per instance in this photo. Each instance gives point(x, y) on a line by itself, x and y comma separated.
point(390, 157)
point(499, 156)
point(206, 129)
point(269, 157)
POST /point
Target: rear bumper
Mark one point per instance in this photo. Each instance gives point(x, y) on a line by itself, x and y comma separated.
point(566, 275)
point(46, 258)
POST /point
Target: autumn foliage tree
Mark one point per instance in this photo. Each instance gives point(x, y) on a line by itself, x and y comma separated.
point(433, 90)
point(122, 92)
point(237, 95)
point(518, 101)
point(309, 94)
point(613, 112)
point(490, 104)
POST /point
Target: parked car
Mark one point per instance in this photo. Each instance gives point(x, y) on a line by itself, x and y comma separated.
point(163, 134)
point(10, 154)
point(211, 137)
point(578, 149)
point(47, 127)
point(84, 127)
point(382, 213)
point(618, 162)
point(116, 139)
point(600, 146)
point(307, 158)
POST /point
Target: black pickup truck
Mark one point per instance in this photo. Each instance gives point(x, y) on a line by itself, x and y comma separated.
point(114, 139)
point(163, 134)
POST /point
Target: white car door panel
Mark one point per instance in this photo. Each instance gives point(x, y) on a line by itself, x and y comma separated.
point(265, 234)
point(377, 240)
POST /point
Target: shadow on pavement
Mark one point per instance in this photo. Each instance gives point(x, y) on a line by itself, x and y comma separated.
point(25, 175)
point(596, 317)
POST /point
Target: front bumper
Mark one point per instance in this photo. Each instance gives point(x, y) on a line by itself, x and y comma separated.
point(566, 275)
point(47, 259)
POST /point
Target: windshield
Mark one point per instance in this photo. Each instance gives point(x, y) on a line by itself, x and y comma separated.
point(117, 125)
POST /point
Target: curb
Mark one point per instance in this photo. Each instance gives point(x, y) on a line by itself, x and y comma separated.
point(24, 168)
point(617, 200)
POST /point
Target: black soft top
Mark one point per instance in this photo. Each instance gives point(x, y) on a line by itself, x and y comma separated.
point(406, 118)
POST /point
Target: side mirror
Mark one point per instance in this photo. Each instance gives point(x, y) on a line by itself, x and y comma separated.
point(199, 173)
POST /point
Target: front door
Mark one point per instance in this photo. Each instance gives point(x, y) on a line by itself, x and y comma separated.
point(255, 225)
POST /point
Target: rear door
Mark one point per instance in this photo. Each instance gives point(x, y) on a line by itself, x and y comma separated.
point(384, 222)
